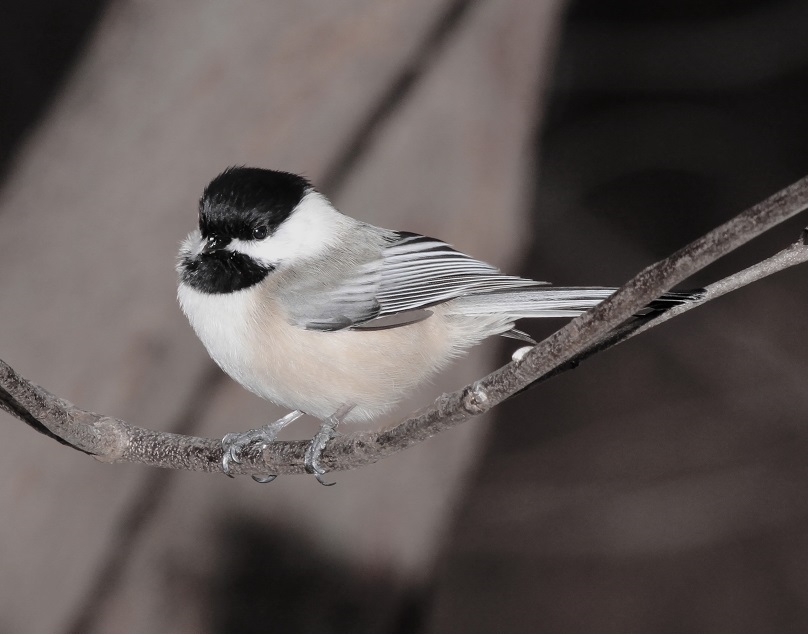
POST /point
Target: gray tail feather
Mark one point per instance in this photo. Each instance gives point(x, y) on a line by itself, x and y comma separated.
point(558, 301)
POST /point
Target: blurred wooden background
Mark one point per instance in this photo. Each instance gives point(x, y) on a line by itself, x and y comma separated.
point(658, 487)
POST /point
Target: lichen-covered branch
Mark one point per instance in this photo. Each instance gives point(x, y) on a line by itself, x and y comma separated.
point(609, 323)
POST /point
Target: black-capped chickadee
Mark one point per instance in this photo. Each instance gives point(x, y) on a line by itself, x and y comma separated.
point(333, 317)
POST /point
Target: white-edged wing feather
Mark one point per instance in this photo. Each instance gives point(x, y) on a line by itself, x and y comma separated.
point(418, 272)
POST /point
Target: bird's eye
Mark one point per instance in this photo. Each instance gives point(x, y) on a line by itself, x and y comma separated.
point(260, 232)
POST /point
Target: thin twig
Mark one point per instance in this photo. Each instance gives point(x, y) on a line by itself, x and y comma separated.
point(114, 440)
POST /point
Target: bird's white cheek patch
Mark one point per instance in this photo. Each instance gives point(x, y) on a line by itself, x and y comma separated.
point(259, 250)
point(310, 229)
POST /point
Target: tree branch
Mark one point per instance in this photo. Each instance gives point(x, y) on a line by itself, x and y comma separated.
point(609, 323)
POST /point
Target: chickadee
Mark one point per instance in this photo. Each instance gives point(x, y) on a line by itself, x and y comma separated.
point(333, 317)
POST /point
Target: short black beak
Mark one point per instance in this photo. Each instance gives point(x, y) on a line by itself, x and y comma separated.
point(214, 243)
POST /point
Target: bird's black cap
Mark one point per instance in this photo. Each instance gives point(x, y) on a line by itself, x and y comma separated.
point(241, 199)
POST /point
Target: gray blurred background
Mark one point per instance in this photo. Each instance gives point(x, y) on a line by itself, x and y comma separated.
point(661, 486)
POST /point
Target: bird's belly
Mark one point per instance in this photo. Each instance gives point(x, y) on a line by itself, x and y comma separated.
point(314, 371)
point(317, 372)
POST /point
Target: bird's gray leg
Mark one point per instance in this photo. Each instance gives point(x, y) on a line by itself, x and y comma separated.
point(233, 444)
point(328, 430)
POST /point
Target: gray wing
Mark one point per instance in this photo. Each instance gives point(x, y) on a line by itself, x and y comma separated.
point(418, 272)
point(412, 273)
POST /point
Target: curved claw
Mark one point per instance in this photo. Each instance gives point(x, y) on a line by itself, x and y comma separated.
point(311, 459)
point(311, 462)
point(228, 457)
point(231, 449)
point(313, 467)
point(320, 480)
point(264, 479)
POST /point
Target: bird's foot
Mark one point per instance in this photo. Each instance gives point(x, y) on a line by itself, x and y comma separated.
point(328, 430)
point(233, 444)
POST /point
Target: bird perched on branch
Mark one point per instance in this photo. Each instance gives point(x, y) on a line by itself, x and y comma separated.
point(333, 317)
